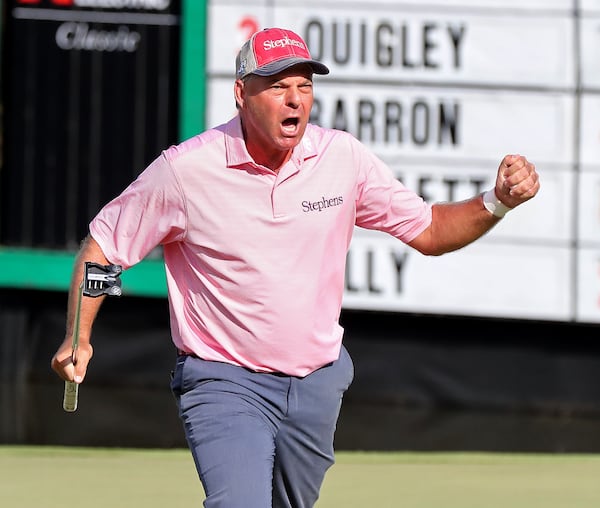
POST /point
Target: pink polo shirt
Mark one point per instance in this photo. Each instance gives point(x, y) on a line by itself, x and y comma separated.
point(255, 260)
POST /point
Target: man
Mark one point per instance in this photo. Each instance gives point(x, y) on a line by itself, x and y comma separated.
point(255, 219)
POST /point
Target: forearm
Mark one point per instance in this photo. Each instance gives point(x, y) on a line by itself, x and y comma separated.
point(62, 362)
point(461, 223)
point(455, 225)
point(90, 251)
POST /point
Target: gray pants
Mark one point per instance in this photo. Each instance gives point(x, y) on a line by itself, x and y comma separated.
point(260, 440)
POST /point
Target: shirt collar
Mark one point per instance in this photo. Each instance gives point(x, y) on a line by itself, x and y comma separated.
point(237, 154)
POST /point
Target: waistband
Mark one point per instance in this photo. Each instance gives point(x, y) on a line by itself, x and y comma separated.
point(277, 374)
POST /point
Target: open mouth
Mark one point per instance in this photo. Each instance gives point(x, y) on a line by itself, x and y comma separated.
point(290, 126)
point(290, 122)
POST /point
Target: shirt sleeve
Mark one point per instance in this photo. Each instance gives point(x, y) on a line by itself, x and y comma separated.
point(386, 204)
point(149, 212)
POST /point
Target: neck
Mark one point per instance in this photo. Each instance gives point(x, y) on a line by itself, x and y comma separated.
point(273, 159)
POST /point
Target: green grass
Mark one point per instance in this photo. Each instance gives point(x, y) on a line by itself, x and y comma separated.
point(48, 477)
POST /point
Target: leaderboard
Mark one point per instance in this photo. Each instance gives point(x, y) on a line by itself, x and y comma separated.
point(441, 93)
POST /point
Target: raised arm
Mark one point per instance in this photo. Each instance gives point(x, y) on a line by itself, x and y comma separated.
point(455, 225)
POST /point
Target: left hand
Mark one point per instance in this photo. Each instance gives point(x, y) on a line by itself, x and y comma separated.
point(517, 180)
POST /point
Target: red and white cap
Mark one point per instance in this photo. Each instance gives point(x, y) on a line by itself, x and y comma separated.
point(273, 50)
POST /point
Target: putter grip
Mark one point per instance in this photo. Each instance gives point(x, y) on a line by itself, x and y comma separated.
point(70, 397)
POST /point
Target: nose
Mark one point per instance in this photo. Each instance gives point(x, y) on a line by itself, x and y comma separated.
point(293, 97)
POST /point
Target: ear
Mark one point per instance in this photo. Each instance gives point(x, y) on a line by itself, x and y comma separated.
point(238, 92)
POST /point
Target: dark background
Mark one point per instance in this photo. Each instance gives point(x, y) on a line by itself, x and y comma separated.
point(78, 125)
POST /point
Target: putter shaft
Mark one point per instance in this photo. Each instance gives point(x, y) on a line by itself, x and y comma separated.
point(71, 394)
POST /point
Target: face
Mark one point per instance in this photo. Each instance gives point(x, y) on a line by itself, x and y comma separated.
point(274, 112)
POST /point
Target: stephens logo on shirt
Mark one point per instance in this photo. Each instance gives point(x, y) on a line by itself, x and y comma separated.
point(322, 204)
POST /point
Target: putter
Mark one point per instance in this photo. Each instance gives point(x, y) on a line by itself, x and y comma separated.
point(98, 280)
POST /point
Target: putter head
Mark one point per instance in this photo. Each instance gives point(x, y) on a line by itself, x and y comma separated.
point(101, 280)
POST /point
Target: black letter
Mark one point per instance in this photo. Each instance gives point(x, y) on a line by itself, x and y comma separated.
point(383, 52)
point(420, 123)
point(366, 113)
point(337, 58)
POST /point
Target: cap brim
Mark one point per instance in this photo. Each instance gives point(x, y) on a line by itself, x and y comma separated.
point(286, 63)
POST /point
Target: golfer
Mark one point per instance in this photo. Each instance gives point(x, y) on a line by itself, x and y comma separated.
point(255, 219)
